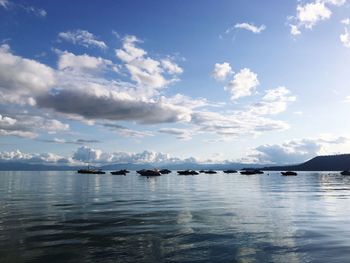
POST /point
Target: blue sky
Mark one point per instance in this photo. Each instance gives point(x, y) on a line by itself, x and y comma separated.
point(164, 81)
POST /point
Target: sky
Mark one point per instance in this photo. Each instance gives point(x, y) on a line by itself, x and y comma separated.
point(174, 81)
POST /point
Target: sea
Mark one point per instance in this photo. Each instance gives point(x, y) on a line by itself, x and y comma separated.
point(69, 217)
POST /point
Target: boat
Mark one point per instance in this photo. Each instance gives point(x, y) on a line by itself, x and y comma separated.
point(187, 172)
point(289, 173)
point(147, 173)
point(165, 171)
point(201, 171)
point(251, 171)
point(210, 172)
point(346, 172)
point(120, 172)
point(230, 171)
point(90, 171)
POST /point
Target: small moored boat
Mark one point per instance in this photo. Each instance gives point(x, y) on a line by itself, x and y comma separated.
point(230, 171)
point(165, 171)
point(90, 171)
point(210, 172)
point(346, 172)
point(144, 172)
point(289, 173)
point(251, 171)
point(120, 172)
point(187, 172)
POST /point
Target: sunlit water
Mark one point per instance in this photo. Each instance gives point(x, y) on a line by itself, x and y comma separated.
point(68, 217)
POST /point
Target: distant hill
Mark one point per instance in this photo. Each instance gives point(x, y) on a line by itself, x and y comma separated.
point(320, 163)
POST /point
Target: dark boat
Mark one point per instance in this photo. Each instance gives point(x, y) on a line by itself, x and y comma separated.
point(202, 171)
point(346, 172)
point(165, 171)
point(210, 172)
point(120, 172)
point(289, 173)
point(144, 172)
point(230, 171)
point(251, 171)
point(187, 172)
point(90, 171)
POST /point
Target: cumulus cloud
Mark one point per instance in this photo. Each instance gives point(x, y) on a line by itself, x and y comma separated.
point(294, 30)
point(274, 101)
point(21, 78)
point(97, 102)
point(222, 71)
point(345, 38)
point(29, 126)
point(83, 38)
point(296, 151)
point(250, 27)
point(43, 158)
point(146, 71)
point(171, 67)
point(243, 84)
point(86, 154)
point(70, 61)
point(25, 81)
point(311, 13)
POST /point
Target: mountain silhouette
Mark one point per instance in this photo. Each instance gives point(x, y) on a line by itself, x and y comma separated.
point(320, 163)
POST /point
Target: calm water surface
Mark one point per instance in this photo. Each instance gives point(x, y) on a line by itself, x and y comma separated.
point(67, 217)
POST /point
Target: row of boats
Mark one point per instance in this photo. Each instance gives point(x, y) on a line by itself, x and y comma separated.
point(156, 172)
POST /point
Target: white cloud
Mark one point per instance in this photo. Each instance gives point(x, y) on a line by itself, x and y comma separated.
point(21, 78)
point(274, 101)
point(251, 27)
point(86, 154)
point(181, 134)
point(83, 38)
point(94, 101)
point(126, 132)
point(235, 124)
point(309, 14)
point(29, 126)
point(4, 3)
point(294, 30)
point(346, 21)
point(243, 84)
point(44, 158)
point(222, 71)
point(145, 71)
point(70, 61)
point(345, 38)
point(65, 141)
point(34, 10)
point(171, 67)
point(296, 151)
